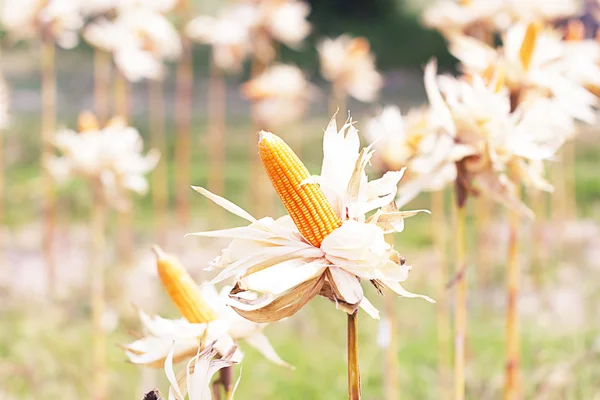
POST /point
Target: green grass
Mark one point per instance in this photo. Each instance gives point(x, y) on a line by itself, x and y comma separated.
point(49, 356)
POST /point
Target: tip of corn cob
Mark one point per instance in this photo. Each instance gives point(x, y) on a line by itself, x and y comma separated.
point(182, 289)
point(160, 253)
point(359, 46)
point(87, 122)
point(264, 135)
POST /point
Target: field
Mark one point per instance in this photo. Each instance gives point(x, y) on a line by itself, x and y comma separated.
point(45, 343)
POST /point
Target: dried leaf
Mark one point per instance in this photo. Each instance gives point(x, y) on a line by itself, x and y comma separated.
point(438, 104)
point(346, 286)
point(180, 384)
point(398, 289)
point(328, 293)
point(260, 342)
point(285, 305)
point(354, 186)
point(390, 207)
point(226, 204)
point(393, 221)
point(378, 285)
point(174, 391)
point(369, 308)
point(501, 189)
point(262, 260)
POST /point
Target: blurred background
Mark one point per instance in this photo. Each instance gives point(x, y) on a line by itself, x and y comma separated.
point(45, 338)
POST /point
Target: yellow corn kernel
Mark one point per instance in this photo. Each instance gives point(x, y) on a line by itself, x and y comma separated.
point(87, 122)
point(528, 45)
point(306, 204)
point(182, 289)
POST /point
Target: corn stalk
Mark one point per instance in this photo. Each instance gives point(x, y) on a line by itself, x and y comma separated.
point(443, 314)
point(102, 75)
point(460, 305)
point(183, 110)
point(159, 176)
point(98, 226)
point(48, 89)
point(122, 94)
point(512, 384)
point(217, 93)
point(260, 197)
point(353, 369)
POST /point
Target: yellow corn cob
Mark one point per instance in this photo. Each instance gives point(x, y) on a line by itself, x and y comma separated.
point(182, 289)
point(306, 204)
point(358, 47)
point(87, 122)
point(528, 45)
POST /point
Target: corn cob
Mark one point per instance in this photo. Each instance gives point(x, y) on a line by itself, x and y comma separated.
point(306, 203)
point(358, 47)
point(182, 289)
point(87, 122)
point(528, 45)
